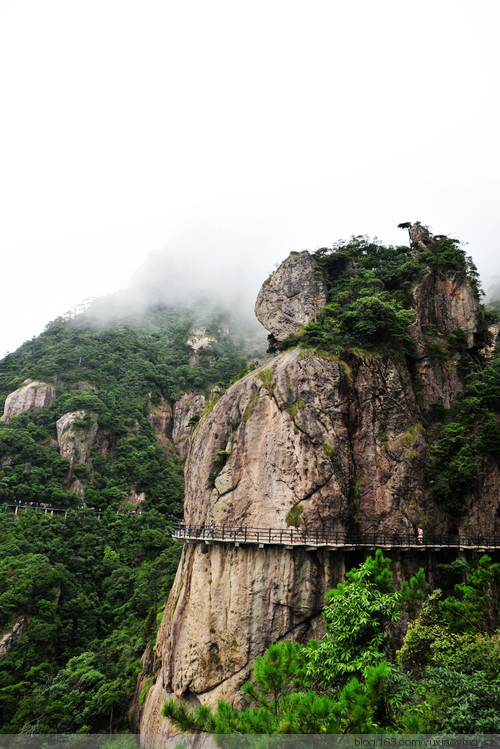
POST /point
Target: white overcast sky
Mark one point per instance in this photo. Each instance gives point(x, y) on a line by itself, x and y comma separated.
point(240, 130)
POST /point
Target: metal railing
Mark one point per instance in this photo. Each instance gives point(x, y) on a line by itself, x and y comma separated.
point(316, 538)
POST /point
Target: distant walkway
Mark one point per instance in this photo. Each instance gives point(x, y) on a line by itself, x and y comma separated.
point(48, 509)
point(291, 538)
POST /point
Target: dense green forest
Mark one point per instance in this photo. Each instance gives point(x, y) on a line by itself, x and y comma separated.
point(445, 677)
point(118, 372)
point(90, 591)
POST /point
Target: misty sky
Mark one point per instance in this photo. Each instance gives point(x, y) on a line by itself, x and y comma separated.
point(228, 133)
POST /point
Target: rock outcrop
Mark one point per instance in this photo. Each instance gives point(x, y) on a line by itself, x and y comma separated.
point(291, 297)
point(10, 638)
point(173, 424)
point(76, 432)
point(32, 396)
point(160, 417)
point(185, 409)
point(339, 443)
point(325, 443)
point(198, 339)
point(444, 303)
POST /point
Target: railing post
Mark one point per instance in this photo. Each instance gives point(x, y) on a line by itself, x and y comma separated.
point(269, 535)
point(245, 532)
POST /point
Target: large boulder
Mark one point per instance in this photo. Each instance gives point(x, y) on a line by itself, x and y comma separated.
point(32, 396)
point(292, 296)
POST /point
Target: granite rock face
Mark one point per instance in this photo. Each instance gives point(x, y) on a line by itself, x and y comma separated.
point(160, 417)
point(32, 396)
point(189, 406)
point(75, 441)
point(338, 444)
point(443, 302)
point(291, 297)
point(172, 422)
point(304, 430)
point(342, 445)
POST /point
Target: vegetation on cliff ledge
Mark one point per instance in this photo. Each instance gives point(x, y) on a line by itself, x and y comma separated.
point(369, 293)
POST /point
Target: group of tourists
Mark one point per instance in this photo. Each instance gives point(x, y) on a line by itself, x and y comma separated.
point(42, 505)
point(396, 536)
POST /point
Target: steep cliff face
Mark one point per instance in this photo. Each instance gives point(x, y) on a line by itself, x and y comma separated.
point(32, 396)
point(443, 303)
point(74, 438)
point(342, 440)
point(188, 407)
point(335, 444)
point(342, 446)
point(172, 423)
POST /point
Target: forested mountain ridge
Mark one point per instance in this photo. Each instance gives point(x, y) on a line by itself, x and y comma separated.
point(96, 416)
point(123, 377)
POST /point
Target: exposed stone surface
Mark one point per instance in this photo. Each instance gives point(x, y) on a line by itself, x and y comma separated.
point(191, 404)
point(161, 419)
point(291, 297)
point(345, 444)
point(420, 235)
point(224, 609)
point(307, 434)
point(483, 511)
point(9, 640)
point(443, 302)
point(32, 396)
point(74, 441)
point(494, 331)
point(134, 500)
point(338, 442)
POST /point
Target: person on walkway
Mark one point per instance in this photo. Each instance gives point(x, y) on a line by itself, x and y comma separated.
point(395, 535)
point(420, 535)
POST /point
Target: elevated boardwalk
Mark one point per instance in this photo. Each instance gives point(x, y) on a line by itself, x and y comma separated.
point(48, 509)
point(291, 538)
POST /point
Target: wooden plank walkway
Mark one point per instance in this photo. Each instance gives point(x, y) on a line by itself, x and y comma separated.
point(291, 538)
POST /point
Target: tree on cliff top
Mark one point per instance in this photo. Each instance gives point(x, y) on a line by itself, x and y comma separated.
point(369, 291)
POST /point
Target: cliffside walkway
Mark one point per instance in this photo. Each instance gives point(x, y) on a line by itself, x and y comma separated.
point(291, 538)
point(47, 509)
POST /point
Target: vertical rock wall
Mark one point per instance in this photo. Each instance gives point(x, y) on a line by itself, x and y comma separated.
point(336, 444)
